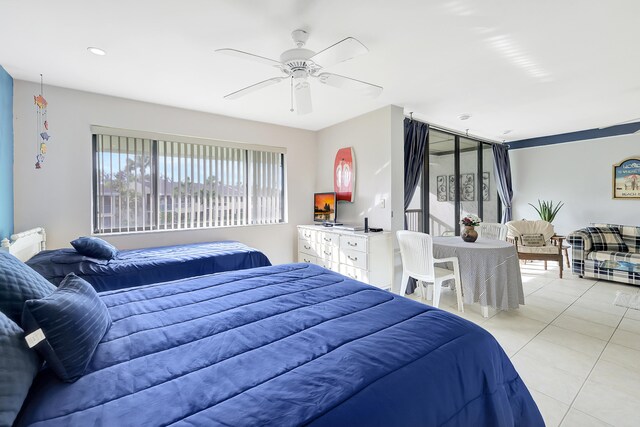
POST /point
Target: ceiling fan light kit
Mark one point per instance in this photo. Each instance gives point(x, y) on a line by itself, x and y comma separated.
point(300, 64)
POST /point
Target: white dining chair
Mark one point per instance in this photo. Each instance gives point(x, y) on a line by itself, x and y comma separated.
point(492, 230)
point(416, 251)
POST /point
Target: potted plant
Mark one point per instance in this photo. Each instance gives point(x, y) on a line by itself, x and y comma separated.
point(547, 210)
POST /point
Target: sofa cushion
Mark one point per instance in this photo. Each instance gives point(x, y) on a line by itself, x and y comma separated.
point(518, 228)
point(607, 239)
point(630, 235)
point(552, 249)
point(614, 256)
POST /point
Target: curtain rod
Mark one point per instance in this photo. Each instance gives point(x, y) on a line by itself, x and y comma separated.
point(454, 132)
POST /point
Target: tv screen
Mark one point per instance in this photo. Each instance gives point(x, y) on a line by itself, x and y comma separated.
point(324, 207)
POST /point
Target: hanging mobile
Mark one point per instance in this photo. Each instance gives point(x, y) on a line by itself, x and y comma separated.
point(42, 125)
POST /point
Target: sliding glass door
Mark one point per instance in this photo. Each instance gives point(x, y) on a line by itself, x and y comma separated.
point(457, 180)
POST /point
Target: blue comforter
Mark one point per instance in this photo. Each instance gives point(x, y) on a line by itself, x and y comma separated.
point(150, 265)
point(284, 345)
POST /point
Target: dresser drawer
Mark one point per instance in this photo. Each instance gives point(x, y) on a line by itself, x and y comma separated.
point(354, 273)
point(329, 253)
point(356, 243)
point(333, 266)
point(353, 258)
point(302, 257)
point(307, 247)
point(308, 235)
point(326, 238)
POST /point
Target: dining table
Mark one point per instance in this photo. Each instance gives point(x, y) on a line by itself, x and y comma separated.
point(489, 271)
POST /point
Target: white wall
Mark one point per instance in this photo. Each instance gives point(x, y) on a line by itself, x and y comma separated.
point(58, 196)
point(580, 175)
point(370, 137)
point(377, 139)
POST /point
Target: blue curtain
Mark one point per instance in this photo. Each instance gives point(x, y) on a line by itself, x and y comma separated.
point(502, 170)
point(415, 144)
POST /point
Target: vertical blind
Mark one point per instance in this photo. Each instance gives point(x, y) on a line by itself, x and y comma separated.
point(158, 184)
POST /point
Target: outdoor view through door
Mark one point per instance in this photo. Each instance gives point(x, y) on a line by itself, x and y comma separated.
point(457, 179)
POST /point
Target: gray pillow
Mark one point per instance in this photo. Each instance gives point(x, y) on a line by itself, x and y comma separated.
point(18, 367)
point(18, 283)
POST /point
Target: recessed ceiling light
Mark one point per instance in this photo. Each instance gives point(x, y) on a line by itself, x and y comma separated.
point(97, 51)
point(465, 116)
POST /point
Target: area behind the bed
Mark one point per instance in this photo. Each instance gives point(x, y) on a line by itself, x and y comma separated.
point(284, 345)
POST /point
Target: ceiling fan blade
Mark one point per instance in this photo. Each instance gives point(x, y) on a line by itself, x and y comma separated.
point(339, 52)
point(242, 92)
point(250, 56)
point(303, 97)
point(342, 82)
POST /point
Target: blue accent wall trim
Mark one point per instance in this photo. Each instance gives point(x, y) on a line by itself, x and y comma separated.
point(624, 129)
point(6, 154)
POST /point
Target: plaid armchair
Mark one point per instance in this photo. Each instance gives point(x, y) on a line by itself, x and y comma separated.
point(606, 251)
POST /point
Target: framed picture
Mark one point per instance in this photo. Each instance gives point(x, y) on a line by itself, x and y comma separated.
point(344, 174)
point(452, 188)
point(485, 186)
point(467, 187)
point(441, 188)
point(626, 179)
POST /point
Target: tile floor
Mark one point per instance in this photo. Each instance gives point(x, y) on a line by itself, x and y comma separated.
point(577, 352)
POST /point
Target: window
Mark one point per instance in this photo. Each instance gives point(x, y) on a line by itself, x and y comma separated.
point(159, 182)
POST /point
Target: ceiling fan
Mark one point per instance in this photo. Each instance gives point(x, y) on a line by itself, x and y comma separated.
point(300, 64)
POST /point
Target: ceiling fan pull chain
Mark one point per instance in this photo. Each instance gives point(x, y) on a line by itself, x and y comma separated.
point(291, 95)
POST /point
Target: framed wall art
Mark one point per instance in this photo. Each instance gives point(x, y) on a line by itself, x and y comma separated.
point(626, 179)
point(485, 186)
point(452, 188)
point(467, 187)
point(441, 188)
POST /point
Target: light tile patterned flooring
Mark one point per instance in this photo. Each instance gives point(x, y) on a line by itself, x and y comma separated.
point(577, 352)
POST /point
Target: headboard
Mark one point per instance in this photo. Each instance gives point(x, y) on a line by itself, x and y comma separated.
point(26, 244)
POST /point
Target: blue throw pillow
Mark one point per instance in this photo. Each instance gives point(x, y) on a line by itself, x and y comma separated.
point(70, 324)
point(18, 367)
point(94, 247)
point(18, 283)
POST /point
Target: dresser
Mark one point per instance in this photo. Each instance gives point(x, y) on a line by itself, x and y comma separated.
point(367, 257)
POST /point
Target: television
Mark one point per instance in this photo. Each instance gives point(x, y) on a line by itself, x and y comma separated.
point(324, 207)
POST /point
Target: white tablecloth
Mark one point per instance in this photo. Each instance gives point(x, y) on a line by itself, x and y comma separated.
point(489, 270)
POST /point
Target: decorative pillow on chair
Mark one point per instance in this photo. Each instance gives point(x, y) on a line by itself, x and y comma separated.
point(18, 283)
point(94, 247)
point(18, 367)
point(535, 240)
point(67, 326)
point(607, 239)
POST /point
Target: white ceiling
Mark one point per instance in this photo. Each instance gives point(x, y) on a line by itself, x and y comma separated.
point(534, 67)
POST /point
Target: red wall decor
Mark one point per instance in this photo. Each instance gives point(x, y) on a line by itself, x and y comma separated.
point(344, 174)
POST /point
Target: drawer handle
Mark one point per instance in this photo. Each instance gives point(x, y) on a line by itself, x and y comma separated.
point(353, 276)
point(307, 234)
point(307, 247)
point(327, 253)
point(327, 239)
point(352, 244)
point(306, 260)
point(352, 258)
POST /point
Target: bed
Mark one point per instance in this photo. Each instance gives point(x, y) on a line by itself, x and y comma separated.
point(137, 266)
point(284, 345)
